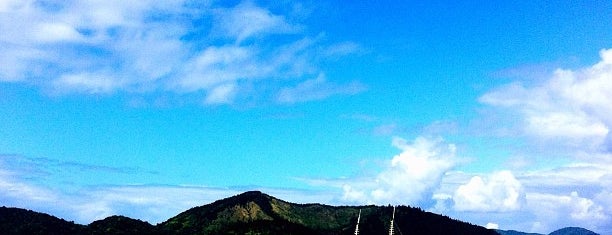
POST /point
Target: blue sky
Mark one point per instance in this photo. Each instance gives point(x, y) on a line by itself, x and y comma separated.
point(493, 113)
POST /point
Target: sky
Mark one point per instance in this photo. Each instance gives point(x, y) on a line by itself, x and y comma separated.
point(494, 113)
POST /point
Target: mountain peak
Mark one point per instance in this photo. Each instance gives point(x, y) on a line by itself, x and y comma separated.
point(250, 195)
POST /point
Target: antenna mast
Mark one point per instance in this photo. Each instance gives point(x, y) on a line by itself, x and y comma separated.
point(357, 226)
point(391, 230)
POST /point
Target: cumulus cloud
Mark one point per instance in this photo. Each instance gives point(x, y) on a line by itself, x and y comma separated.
point(409, 177)
point(103, 47)
point(572, 107)
point(500, 192)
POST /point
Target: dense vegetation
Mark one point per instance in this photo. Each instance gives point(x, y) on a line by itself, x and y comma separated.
point(252, 213)
point(20, 221)
point(257, 213)
point(120, 225)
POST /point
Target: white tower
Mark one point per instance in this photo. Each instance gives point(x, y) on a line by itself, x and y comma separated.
point(391, 230)
point(357, 226)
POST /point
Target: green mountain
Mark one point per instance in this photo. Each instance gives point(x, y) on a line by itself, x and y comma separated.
point(252, 213)
point(258, 213)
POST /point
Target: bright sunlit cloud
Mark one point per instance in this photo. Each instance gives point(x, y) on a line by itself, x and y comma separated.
point(409, 178)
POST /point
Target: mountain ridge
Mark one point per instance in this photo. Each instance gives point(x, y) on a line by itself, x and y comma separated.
point(253, 212)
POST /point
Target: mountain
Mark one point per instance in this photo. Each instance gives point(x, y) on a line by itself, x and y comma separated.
point(573, 231)
point(254, 213)
point(21, 221)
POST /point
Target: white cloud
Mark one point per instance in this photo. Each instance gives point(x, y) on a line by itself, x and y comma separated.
point(153, 47)
point(492, 226)
point(572, 107)
point(92, 83)
point(247, 20)
point(569, 176)
point(409, 178)
point(500, 192)
point(217, 65)
point(221, 94)
point(56, 32)
point(17, 193)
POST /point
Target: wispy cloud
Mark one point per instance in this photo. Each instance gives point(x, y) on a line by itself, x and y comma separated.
point(247, 20)
point(20, 186)
point(317, 89)
point(107, 47)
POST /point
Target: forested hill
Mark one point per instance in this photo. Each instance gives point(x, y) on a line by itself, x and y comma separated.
point(250, 213)
point(255, 212)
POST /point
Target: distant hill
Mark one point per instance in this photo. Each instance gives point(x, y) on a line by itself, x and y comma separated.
point(121, 225)
point(513, 232)
point(254, 213)
point(563, 231)
point(573, 231)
